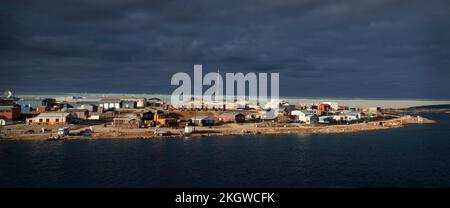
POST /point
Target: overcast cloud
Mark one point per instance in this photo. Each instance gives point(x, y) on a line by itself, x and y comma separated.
point(364, 49)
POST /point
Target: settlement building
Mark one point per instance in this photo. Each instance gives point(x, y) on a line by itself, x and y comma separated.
point(89, 107)
point(80, 102)
point(129, 104)
point(154, 102)
point(165, 119)
point(126, 121)
point(204, 120)
point(333, 105)
point(268, 114)
point(372, 111)
point(138, 101)
point(109, 104)
point(324, 107)
point(311, 119)
point(82, 114)
point(303, 115)
point(10, 112)
point(32, 103)
point(347, 117)
point(232, 117)
point(325, 119)
point(53, 118)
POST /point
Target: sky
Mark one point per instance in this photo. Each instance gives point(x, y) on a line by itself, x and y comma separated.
point(343, 49)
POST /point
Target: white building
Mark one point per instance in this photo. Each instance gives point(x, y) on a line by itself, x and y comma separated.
point(51, 118)
point(354, 116)
point(372, 111)
point(108, 104)
point(268, 114)
point(303, 115)
point(278, 105)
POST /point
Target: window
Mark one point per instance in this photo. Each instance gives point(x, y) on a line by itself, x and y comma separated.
point(40, 120)
point(57, 120)
point(47, 120)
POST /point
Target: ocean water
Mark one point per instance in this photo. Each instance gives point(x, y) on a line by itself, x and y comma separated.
point(414, 156)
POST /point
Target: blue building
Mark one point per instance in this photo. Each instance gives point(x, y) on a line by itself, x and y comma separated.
point(85, 101)
point(35, 102)
point(65, 105)
point(25, 109)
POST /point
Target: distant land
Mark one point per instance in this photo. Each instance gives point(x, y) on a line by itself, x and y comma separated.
point(360, 102)
point(444, 106)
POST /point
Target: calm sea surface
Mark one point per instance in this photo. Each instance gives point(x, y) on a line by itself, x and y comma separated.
point(414, 156)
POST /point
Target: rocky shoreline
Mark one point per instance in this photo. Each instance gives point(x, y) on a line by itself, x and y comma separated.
point(264, 128)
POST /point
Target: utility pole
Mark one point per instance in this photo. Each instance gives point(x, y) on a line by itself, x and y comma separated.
point(195, 118)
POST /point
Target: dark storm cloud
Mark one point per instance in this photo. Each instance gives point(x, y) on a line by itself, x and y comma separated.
point(385, 48)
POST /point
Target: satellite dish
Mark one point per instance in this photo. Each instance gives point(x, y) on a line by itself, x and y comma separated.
point(8, 94)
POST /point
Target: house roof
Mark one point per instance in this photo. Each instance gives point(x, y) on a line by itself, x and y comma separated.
point(87, 100)
point(306, 112)
point(124, 97)
point(154, 99)
point(110, 100)
point(33, 99)
point(198, 117)
point(53, 114)
point(6, 107)
point(77, 110)
point(204, 118)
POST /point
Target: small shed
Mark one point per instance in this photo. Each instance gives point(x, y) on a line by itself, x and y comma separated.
point(5, 122)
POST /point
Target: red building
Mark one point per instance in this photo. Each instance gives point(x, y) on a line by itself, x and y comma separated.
point(324, 107)
point(232, 117)
point(10, 112)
